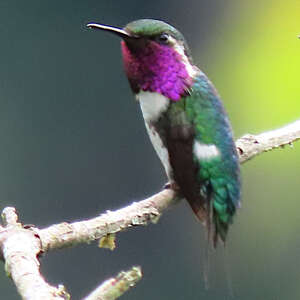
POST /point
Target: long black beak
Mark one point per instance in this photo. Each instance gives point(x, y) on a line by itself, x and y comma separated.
point(118, 31)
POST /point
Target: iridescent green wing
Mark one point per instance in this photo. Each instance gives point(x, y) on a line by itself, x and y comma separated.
point(214, 153)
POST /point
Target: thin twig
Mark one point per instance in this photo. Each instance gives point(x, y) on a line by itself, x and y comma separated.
point(113, 288)
point(250, 145)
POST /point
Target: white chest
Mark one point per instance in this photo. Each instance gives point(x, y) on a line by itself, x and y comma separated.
point(152, 106)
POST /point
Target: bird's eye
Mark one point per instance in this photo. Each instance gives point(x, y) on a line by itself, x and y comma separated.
point(163, 38)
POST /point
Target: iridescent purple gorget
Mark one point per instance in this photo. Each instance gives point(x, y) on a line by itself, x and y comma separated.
point(156, 68)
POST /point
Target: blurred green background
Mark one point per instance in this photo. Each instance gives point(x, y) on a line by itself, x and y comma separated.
point(73, 143)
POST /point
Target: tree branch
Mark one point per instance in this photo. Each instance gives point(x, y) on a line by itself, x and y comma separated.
point(21, 246)
point(138, 213)
point(149, 210)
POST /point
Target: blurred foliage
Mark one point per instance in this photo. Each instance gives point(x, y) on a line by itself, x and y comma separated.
point(258, 63)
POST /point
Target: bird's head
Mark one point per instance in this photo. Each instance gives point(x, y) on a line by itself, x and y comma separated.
point(156, 57)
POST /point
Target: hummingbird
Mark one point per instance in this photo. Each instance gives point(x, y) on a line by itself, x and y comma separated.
point(185, 119)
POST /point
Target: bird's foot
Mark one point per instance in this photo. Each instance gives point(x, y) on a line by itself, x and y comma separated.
point(167, 186)
point(171, 185)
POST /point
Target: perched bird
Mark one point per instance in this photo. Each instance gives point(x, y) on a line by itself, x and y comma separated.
point(185, 120)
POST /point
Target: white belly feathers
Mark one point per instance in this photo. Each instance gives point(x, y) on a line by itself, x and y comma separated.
point(152, 106)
